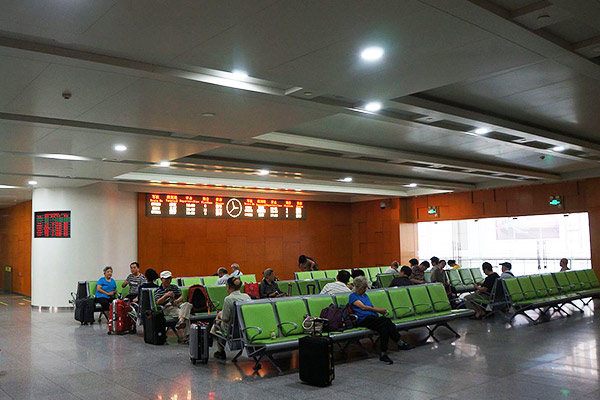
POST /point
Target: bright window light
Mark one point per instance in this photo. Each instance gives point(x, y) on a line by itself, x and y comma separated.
point(120, 147)
point(373, 106)
point(372, 53)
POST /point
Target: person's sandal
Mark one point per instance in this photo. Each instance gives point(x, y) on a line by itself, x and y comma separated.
point(180, 325)
point(386, 359)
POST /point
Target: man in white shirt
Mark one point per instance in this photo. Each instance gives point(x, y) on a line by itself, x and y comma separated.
point(340, 285)
point(223, 276)
point(393, 269)
point(235, 270)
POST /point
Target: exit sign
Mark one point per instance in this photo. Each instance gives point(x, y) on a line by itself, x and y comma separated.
point(555, 201)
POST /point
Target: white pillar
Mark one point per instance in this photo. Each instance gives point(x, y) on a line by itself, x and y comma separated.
point(103, 232)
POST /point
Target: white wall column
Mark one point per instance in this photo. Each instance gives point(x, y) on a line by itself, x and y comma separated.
point(103, 232)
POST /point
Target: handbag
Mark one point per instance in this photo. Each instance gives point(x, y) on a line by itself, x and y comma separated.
point(313, 325)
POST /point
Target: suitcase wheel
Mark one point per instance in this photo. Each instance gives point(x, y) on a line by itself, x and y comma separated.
point(193, 360)
point(109, 332)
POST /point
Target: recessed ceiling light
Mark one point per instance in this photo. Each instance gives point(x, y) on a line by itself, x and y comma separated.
point(346, 179)
point(373, 106)
point(558, 148)
point(308, 93)
point(263, 172)
point(208, 114)
point(372, 53)
point(239, 74)
point(120, 147)
point(165, 164)
point(481, 131)
point(543, 18)
point(32, 183)
point(411, 185)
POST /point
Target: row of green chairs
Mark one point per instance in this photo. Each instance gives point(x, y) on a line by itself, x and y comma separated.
point(303, 287)
point(269, 326)
point(210, 280)
point(463, 279)
point(88, 289)
point(370, 272)
point(550, 291)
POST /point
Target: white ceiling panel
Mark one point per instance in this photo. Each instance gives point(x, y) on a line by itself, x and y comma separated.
point(21, 137)
point(16, 74)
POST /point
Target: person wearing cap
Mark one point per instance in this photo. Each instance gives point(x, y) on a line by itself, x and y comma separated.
point(482, 291)
point(453, 264)
point(393, 269)
point(169, 297)
point(506, 271)
point(564, 265)
point(235, 270)
point(223, 276)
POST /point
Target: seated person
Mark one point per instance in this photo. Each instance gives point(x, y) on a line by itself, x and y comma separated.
point(482, 291)
point(354, 273)
point(340, 285)
point(221, 324)
point(506, 271)
point(418, 273)
point(106, 289)
point(306, 263)
point(151, 277)
point(135, 279)
point(268, 287)
point(368, 318)
point(413, 262)
point(223, 276)
point(564, 265)
point(438, 275)
point(169, 297)
point(453, 264)
point(403, 277)
point(393, 269)
point(235, 270)
point(434, 262)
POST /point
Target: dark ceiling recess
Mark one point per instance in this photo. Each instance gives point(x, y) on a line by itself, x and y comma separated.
point(323, 153)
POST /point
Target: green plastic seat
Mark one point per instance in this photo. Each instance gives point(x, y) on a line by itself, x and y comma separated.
point(123, 291)
point(550, 284)
point(322, 282)
point(372, 273)
point(466, 276)
point(584, 279)
point(259, 321)
point(401, 302)
point(217, 294)
point(527, 287)
point(539, 286)
point(318, 303)
point(383, 269)
point(291, 314)
point(92, 287)
point(251, 278)
point(439, 298)
point(192, 281)
point(303, 275)
point(307, 287)
point(574, 280)
point(331, 273)
point(477, 275)
point(341, 299)
point(514, 289)
point(420, 299)
point(318, 275)
point(284, 339)
point(593, 278)
point(385, 280)
point(563, 282)
point(454, 277)
point(380, 299)
point(208, 280)
point(284, 286)
point(184, 292)
point(427, 275)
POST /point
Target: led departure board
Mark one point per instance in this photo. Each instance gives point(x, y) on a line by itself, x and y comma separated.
point(174, 205)
point(52, 224)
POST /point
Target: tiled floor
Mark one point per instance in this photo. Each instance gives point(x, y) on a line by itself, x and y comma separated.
point(49, 356)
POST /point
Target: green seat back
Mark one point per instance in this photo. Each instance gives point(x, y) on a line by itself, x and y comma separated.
point(593, 278)
point(563, 282)
point(192, 281)
point(439, 298)
point(420, 299)
point(466, 276)
point(217, 294)
point(251, 278)
point(539, 285)
point(514, 289)
point(550, 284)
point(259, 315)
point(152, 299)
point(291, 311)
point(322, 282)
point(372, 273)
point(123, 291)
point(386, 279)
point(477, 275)
point(401, 303)
point(307, 287)
point(454, 277)
point(184, 292)
point(331, 273)
point(303, 275)
point(527, 287)
point(208, 280)
point(318, 275)
point(92, 287)
point(317, 303)
point(341, 299)
point(383, 269)
point(428, 276)
point(574, 279)
point(380, 299)
point(584, 279)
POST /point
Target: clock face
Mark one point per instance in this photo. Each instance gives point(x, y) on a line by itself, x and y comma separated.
point(234, 208)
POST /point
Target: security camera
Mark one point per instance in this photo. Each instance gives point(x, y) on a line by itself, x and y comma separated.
point(542, 157)
point(383, 205)
point(66, 95)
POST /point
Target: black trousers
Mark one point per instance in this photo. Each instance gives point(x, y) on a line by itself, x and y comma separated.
point(131, 296)
point(384, 326)
point(104, 302)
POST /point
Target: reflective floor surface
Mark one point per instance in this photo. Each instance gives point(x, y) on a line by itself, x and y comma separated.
point(48, 355)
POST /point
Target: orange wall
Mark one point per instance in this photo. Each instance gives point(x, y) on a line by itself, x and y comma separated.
point(197, 246)
point(15, 245)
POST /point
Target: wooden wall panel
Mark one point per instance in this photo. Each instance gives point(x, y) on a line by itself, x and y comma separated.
point(196, 246)
point(15, 245)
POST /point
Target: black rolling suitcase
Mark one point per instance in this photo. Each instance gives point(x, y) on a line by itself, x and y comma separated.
point(316, 360)
point(155, 327)
point(84, 310)
point(199, 343)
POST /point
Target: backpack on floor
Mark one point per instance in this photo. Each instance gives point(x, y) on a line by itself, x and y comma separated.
point(198, 298)
point(339, 318)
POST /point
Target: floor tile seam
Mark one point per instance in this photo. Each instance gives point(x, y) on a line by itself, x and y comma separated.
point(523, 380)
point(344, 389)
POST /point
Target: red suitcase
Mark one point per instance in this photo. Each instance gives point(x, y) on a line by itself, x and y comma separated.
point(120, 321)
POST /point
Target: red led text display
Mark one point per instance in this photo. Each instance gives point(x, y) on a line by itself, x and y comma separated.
point(52, 224)
point(175, 205)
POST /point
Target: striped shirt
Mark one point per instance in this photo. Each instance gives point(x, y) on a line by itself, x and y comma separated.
point(135, 282)
point(161, 291)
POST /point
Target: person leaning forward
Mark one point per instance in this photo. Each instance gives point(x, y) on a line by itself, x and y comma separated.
point(169, 296)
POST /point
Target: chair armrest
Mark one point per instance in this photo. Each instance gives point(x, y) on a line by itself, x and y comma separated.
point(252, 327)
point(442, 302)
point(429, 306)
point(295, 325)
point(402, 307)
